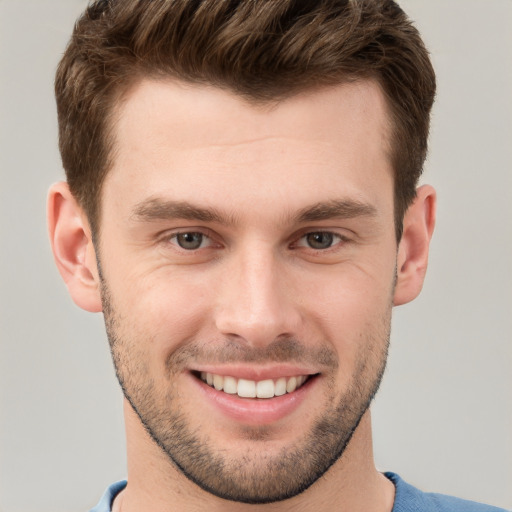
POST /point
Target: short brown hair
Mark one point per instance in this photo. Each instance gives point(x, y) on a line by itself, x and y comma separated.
point(264, 50)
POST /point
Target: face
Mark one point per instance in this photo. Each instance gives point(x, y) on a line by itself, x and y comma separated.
point(247, 258)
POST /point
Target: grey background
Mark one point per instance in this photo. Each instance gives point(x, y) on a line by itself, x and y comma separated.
point(443, 418)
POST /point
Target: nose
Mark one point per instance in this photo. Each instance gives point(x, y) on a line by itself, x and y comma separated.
point(256, 302)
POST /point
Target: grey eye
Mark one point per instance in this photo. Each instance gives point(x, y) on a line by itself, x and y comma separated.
point(190, 241)
point(320, 240)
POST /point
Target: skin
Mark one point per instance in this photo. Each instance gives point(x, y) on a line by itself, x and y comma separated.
point(255, 295)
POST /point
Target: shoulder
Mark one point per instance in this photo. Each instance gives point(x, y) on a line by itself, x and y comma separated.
point(408, 499)
point(105, 504)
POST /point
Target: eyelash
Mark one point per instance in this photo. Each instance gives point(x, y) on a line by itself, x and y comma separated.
point(336, 240)
point(174, 237)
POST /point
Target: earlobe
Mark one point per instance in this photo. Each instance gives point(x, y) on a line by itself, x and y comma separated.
point(412, 259)
point(72, 247)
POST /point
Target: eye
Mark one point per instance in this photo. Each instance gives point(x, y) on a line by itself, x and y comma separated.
point(191, 241)
point(320, 240)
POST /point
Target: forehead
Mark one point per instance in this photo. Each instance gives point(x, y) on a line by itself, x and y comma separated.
point(192, 110)
point(196, 142)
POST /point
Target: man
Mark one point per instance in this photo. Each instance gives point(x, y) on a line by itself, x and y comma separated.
point(241, 204)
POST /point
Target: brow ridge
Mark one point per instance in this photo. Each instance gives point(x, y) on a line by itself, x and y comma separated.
point(157, 209)
point(336, 209)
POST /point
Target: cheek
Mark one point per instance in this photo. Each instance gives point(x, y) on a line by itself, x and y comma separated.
point(162, 309)
point(352, 311)
point(351, 296)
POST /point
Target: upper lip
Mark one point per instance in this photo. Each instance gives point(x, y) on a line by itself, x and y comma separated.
point(254, 372)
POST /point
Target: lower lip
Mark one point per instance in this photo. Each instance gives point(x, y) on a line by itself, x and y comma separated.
point(256, 411)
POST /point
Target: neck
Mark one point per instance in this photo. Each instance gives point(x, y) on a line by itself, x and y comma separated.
point(156, 485)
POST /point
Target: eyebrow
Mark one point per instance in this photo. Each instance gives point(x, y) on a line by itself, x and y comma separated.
point(157, 209)
point(336, 209)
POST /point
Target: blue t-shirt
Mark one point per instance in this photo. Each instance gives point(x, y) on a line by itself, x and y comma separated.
point(407, 499)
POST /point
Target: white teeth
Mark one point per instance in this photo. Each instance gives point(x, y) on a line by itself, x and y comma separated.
point(291, 385)
point(246, 388)
point(230, 385)
point(251, 389)
point(265, 389)
point(218, 382)
point(280, 388)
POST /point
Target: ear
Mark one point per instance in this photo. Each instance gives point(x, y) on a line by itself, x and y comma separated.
point(412, 259)
point(72, 247)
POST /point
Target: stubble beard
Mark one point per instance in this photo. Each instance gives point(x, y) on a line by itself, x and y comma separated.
point(254, 477)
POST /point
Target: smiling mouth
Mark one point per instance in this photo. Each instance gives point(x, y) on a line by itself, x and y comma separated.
point(244, 388)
